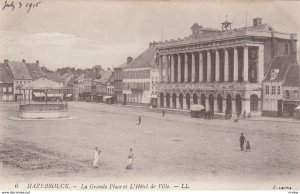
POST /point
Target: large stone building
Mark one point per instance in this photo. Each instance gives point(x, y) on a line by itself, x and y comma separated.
point(137, 85)
point(221, 69)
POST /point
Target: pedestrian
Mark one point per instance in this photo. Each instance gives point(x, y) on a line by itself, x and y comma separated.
point(96, 157)
point(242, 141)
point(129, 160)
point(163, 113)
point(140, 120)
point(248, 148)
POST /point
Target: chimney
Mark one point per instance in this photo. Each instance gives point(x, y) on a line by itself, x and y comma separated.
point(23, 61)
point(37, 62)
point(6, 61)
point(129, 59)
point(257, 21)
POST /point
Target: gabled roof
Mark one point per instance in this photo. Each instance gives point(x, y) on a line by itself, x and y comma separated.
point(34, 70)
point(19, 70)
point(105, 77)
point(5, 75)
point(146, 59)
point(282, 63)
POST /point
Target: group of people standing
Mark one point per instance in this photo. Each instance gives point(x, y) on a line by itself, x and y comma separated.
point(97, 153)
point(242, 141)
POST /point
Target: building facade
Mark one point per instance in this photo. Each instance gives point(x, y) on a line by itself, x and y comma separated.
point(137, 77)
point(118, 81)
point(6, 84)
point(220, 69)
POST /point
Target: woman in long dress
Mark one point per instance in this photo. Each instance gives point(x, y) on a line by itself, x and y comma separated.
point(129, 160)
point(96, 157)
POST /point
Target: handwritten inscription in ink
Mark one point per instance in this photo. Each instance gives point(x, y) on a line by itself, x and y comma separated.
point(12, 5)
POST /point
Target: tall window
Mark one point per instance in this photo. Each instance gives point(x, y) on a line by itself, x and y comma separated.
point(267, 90)
point(273, 89)
point(278, 90)
point(253, 103)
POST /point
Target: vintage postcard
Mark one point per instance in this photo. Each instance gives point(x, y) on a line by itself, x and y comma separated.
point(149, 95)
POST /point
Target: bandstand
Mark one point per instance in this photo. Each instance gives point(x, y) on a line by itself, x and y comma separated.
point(43, 99)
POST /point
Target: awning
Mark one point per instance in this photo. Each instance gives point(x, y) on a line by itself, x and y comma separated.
point(39, 94)
point(69, 95)
point(54, 95)
point(107, 97)
point(197, 107)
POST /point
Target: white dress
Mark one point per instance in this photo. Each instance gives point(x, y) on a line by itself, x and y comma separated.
point(96, 158)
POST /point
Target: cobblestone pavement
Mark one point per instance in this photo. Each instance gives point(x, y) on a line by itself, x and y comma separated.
point(174, 148)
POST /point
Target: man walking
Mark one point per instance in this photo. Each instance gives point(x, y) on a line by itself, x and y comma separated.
point(242, 141)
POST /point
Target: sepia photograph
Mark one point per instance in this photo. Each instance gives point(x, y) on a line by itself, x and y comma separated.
point(149, 95)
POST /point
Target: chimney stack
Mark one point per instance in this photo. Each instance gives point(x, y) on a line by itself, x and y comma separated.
point(129, 59)
point(37, 62)
point(23, 61)
point(257, 21)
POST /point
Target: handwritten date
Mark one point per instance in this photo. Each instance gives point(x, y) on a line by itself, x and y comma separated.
point(27, 6)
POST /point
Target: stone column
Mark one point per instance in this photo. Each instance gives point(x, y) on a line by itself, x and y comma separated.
point(165, 68)
point(172, 69)
point(193, 68)
point(246, 66)
point(224, 105)
point(207, 106)
point(216, 105)
point(235, 65)
point(186, 73)
point(260, 65)
point(184, 103)
point(177, 102)
point(217, 66)
point(208, 67)
point(200, 67)
point(226, 66)
point(160, 68)
point(165, 101)
point(171, 101)
point(179, 68)
point(246, 106)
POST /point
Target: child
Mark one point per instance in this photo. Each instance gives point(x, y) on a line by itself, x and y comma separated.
point(129, 160)
point(248, 148)
point(96, 157)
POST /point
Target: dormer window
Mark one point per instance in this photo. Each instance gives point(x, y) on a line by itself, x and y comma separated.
point(274, 73)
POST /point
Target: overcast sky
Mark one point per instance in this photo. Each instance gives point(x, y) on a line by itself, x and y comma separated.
point(86, 33)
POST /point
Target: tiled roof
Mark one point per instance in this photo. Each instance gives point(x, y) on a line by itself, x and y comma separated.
point(34, 70)
point(146, 59)
point(292, 77)
point(53, 76)
point(43, 83)
point(19, 70)
point(281, 63)
point(5, 75)
point(105, 76)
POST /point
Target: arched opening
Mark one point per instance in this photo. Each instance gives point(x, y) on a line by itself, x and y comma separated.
point(253, 103)
point(195, 99)
point(211, 102)
point(238, 103)
point(168, 100)
point(203, 99)
point(188, 101)
point(161, 97)
point(181, 101)
point(220, 103)
point(174, 100)
point(228, 103)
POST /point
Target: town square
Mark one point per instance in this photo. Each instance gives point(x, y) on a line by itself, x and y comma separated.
point(173, 148)
point(165, 95)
